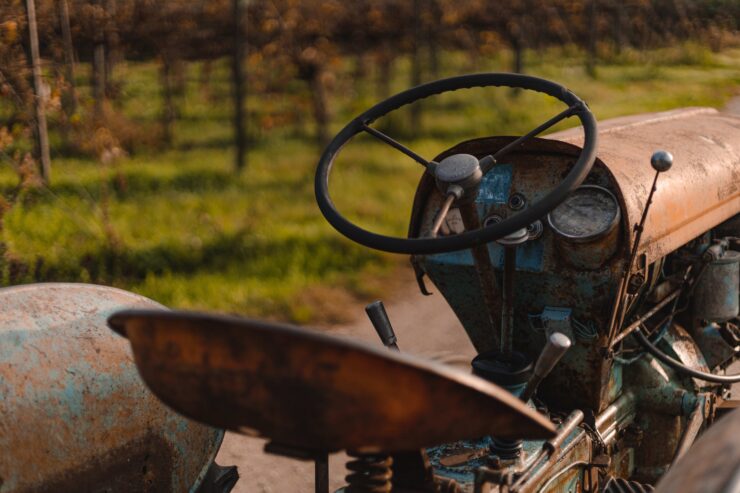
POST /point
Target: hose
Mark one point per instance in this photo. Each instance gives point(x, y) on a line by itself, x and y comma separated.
point(680, 367)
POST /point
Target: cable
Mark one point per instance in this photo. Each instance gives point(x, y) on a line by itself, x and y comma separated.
point(562, 472)
point(680, 367)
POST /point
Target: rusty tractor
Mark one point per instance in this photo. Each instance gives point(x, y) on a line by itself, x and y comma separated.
point(596, 272)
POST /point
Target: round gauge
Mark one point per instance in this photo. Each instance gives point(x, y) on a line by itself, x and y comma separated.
point(589, 212)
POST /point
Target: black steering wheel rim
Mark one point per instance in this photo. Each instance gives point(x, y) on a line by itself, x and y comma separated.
point(467, 239)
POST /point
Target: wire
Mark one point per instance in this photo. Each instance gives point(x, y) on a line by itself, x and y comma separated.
point(562, 472)
point(680, 367)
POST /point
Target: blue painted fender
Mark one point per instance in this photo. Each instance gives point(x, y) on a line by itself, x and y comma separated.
point(74, 414)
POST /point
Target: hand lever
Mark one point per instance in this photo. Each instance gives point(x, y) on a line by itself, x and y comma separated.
point(454, 192)
point(556, 346)
point(379, 318)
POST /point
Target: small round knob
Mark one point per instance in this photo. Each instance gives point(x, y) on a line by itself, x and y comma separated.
point(661, 161)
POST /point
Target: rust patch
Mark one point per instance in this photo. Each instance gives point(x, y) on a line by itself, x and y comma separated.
point(144, 465)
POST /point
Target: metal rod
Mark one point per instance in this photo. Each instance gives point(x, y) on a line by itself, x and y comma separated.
point(568, 112)
point(550, 447)
point(637, 323)
point(507, 314)
point(610, 419)
point(484, 268)
point(321, 473)
point(442, 214)
point(395, 144)
point(617, 316)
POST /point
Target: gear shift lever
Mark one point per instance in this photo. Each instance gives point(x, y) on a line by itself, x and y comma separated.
point(379, 318)
point(555, 347)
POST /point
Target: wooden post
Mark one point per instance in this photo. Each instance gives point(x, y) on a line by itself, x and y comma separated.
point(415, 109)
point(168, 102)
point(41, 129)
point(98, 66)
point(70, 99)
point(592, 19)
point(237, 76)
point(99, 76)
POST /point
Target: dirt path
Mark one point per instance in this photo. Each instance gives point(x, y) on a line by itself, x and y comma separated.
point(425, 325)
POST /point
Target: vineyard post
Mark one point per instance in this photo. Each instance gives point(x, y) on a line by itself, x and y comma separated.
point(39, 96)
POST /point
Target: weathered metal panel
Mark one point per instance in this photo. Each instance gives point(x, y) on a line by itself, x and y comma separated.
point(74, 414)
point(544, 276)
point(700, 191)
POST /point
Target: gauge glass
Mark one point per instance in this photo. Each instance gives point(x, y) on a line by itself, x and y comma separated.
point(589, 212)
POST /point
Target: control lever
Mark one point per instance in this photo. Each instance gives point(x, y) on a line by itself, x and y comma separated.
point(454, 193)
point(556, 346)
point(379, 318)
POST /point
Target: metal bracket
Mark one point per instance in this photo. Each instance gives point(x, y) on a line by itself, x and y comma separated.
point(553, 319)
point(419, 274)
point(589, 426)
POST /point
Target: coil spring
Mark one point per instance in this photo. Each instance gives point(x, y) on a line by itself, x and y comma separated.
point(371, 473)
point(621, 485)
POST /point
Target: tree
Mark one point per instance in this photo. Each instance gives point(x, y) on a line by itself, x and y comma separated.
point(42, 135)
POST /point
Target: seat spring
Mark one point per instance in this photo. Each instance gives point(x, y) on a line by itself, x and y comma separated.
point(370, 473)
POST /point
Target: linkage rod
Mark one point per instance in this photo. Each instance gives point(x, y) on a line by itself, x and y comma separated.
point(442, 214)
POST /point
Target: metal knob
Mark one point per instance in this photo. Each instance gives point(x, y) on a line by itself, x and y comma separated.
point(557, 344)
point(555, 347)
point(661, 161)
point(382, 324)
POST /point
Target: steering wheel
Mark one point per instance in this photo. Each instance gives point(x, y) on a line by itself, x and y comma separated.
point(458, 176)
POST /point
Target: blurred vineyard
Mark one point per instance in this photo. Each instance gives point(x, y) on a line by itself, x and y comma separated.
point(168, 147)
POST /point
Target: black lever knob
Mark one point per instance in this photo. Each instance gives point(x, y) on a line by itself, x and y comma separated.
point(379, 318)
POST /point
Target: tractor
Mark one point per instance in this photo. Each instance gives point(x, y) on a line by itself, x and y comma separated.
point(595, 270)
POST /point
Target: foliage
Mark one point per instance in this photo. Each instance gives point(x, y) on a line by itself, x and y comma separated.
point(179, 226)
point(141, 109)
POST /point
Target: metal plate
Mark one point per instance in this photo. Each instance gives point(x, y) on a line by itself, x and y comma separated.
point(314, 391)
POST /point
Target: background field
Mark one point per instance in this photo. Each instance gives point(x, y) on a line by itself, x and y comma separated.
point(180, 226)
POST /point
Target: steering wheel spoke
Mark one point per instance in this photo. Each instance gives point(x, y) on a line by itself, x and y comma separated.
point(396, 145)
point(566, 113)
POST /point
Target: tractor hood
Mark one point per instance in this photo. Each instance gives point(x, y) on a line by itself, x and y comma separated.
point(700, 191)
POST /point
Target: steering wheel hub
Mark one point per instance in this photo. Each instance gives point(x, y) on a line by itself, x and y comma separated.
point(462, 170)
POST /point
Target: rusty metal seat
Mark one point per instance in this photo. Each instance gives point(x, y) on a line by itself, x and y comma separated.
point(313, 391)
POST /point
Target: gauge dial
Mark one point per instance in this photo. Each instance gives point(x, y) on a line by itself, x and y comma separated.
point(589, 212)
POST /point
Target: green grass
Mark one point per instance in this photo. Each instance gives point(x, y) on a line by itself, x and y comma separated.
point(181, 227)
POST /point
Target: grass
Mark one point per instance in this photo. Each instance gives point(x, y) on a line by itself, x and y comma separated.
point(178, 225)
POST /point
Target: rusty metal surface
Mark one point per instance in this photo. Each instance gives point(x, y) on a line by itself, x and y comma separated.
point(74, 415)
point(488, 285)
point(711, 464)
point(309, 390)
point(544, 278)
point(701, 190)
